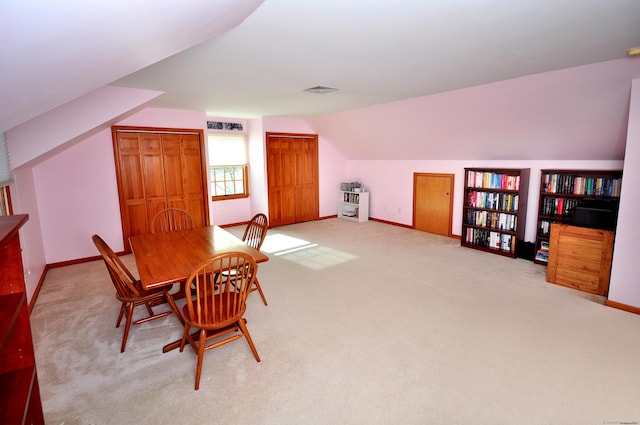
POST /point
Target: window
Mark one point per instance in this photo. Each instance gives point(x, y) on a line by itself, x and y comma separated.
point(5, 201)
point(5, 176)
point(228, 166)
point(229, 181)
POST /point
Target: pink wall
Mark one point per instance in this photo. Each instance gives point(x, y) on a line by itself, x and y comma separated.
point(23, 195)
point(54, 131)
point(332, 166)
point(624, 287)
point(77, 191)
point(172, 118)
point(390, 184)
point(572, 114)
point(78, 196)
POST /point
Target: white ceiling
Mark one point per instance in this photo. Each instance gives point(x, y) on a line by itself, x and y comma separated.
point(373, 51)
point(377, 51)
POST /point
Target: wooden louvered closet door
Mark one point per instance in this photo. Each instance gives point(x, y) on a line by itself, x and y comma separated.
point(158, 169)
point(292, 170)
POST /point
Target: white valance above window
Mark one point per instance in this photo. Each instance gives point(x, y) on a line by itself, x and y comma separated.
point(227, 150)
point(5, 172)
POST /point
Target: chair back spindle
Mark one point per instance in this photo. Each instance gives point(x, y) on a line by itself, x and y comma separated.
point(256, 231)
point(171, 219)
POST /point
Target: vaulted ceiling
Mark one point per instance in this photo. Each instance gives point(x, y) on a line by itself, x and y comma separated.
point(255, 58)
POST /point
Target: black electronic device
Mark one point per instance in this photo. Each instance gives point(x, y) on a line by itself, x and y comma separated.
point(596, 213)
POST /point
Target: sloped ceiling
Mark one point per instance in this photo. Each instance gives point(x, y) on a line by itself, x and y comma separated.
point(383, 51)
point(54, 51)
point(256, 58)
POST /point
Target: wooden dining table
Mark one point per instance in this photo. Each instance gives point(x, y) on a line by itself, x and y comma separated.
point(168, 258)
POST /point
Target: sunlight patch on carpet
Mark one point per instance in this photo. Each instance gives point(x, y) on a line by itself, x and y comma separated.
point(303, 252)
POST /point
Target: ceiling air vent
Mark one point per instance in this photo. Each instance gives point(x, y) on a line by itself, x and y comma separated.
point(321, 89)
point(219, 125)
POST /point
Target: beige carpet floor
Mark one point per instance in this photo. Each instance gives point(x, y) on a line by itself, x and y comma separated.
point(366, 324)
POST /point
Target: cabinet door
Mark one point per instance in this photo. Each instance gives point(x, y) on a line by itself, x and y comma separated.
point(156, 170)
point(194, 175)
point(274, 183)
point(292, 170)
point(152, 178)
point(133, 204)
point(306, 180)
point(173, 171)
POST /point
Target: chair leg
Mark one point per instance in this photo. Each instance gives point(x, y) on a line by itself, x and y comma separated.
point(259, 288)
point(122, 308)
point(201, 346)
point(174, 307)
point(247, 336)
point(149, 310)
point(180, 293)
point(127, 325)
point(185, 334)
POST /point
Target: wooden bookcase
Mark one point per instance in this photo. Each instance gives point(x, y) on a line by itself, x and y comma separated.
point(561, 191)
point(19, 392)
point(495, 209)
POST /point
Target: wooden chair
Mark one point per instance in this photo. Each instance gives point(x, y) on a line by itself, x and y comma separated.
point(254, 235)
point(130, 292)
point(218, 303)
point(171, 219)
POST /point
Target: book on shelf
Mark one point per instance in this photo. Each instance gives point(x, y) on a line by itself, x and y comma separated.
point(543, 253)
point(493, 200)
point(491, 180)
point(579, 185)
point(490, 238)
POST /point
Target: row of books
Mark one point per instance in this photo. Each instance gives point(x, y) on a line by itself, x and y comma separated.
point(577, 185)
point(544, 229)
point(489, 180)
point(352, 198)
point(495, 220)
point(558, 206)
point(543, 253)
point(493, 200)
point(490, 239)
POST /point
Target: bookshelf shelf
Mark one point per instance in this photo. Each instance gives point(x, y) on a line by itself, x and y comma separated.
point(494, 211)
point(561, 191)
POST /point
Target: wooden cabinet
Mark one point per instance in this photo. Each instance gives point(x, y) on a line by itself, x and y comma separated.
point(580, 258)
point(561, 191)
point(19, 391)
point(292, 178)
point(494, 209)
point(158, 169)
point(353, 206)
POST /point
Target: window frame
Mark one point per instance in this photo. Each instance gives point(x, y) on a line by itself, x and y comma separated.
point(6, 208)
point(245, 182)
